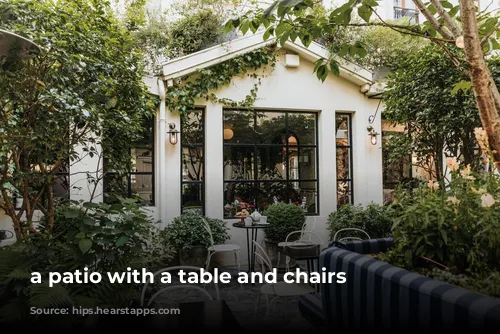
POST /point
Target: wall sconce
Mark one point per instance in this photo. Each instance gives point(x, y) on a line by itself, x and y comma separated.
point(172, 134)
point(373, 135)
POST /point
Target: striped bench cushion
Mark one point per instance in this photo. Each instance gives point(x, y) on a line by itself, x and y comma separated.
point(379, 295)
point(369, 246)
point(311, 307)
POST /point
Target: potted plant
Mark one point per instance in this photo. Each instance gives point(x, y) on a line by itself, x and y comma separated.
point(188, 235)
point(283, 219)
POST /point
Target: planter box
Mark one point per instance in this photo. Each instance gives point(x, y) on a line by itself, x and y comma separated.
point(195, 257)
point(377, 294)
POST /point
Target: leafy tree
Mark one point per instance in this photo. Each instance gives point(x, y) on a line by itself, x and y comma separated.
point(419, 94)
point(83, 92)
point(446, 25)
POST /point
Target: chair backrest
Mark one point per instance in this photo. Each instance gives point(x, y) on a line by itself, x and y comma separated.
point(176, 287)
point(351, 229)
point(301, 232)
point(306, 236)
point(261, 254)
point(206, 225)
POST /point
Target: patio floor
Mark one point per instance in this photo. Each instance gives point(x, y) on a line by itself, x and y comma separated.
point(242, 300)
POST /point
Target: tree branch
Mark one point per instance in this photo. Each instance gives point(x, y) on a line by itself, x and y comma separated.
point(432, 20)
point(448, 21)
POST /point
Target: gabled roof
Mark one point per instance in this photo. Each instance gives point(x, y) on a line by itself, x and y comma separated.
point(182, 66)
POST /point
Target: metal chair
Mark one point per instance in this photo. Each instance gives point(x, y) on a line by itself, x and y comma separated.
point(177, 287)
point(350, 237)
point(212, 249)
point(279, 289)
point(306, 238)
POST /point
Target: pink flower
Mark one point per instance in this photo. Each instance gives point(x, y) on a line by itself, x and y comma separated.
point(452, 163)
point(433, 185)
point(487, 200)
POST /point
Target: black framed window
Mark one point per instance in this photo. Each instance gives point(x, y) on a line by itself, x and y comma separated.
point(343, 125)
point(192, 161)
point(268, 156)
point(139, 182)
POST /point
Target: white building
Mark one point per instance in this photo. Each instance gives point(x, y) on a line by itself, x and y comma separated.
point(311, 142)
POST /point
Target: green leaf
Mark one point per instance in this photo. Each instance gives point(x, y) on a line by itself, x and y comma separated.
point(71, 214)
point(365, 13)
point(290, 3)
point(85, 245)
point(334, 67)
point(228, 27)
point(371, 3)
point(284, 38)
point(80, 235)
point(90, 205)
point(453, 12)
point(432, 9)
point(305, 39)
point(88, 221)
point(121, 241)
point(268, 33)
point(244, 27)
point(462, 85)
point(444, 236)
point(446, 4)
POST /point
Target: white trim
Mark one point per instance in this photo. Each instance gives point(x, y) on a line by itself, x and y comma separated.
point(205, 58)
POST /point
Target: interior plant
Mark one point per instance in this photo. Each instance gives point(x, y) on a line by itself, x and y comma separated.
point(188, 235)
point(283, 218)
point(374, 219)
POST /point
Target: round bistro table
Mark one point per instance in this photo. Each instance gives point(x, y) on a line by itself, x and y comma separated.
point(252, 231)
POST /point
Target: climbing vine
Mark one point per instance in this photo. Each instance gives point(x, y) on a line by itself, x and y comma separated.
point(201, 84)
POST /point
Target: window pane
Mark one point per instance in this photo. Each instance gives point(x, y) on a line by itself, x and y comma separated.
point(142, 186)
point(343, 163)
point(142, 159)
point(192, 128)
point(342, 130)
point(238, 126)
point(304, 193)
point(268, 190)
point(270, 128)
point(302, 163)
point(302, 129)
point(241, 191)
point(239, 163)
point(192, 197)
point(271, 163)
point(344, 190)
point(192, 164)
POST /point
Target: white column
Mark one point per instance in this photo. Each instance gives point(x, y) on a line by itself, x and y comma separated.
point(214, 160)
point(172, 169)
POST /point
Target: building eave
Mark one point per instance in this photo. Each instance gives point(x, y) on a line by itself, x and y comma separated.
point(182, 66)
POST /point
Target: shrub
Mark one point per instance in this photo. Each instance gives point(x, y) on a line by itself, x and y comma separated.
point(375, 219)
point(103, 238)
point(283, 219)
point(458, 226)
point(188, 231)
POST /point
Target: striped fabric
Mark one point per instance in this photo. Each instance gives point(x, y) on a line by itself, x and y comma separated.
point(311, 307)
point(369, 246)
point(379, 295)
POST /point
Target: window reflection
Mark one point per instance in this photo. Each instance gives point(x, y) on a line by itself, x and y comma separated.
point(344, 159)
point(270, 154)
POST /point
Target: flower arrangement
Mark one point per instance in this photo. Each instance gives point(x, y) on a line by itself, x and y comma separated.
point(239, 209)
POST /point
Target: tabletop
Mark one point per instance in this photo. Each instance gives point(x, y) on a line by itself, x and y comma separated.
point(260, 225)
point(301, 252)
point(210, 314)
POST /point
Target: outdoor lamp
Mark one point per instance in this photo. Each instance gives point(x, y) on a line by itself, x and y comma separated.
point(172, 134)
point(17, 46)
point(373, 135)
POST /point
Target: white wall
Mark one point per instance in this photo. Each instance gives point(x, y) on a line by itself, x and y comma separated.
point(288, 89)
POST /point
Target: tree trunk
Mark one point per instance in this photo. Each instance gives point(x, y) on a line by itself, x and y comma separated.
point(483, 85)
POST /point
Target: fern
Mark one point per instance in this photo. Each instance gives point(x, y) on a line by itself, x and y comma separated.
point(43, 296)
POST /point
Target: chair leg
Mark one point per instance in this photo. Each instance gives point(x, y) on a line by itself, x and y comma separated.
point(258, 303)
point(209, 258)
point(270, 304)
